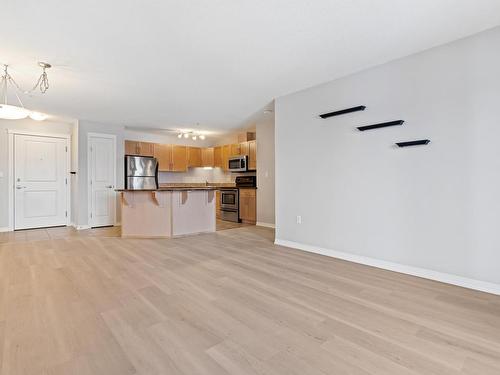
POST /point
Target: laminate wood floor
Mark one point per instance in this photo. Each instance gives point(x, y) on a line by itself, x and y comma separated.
point(229, 302)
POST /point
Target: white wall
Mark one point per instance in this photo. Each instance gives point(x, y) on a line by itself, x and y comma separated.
point(435, 207)
point(23, 125)
point(265, 171)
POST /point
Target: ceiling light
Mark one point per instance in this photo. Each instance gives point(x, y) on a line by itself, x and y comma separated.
point(194, 137)
point(179, 135)
point(12, 112)
point(186, 135)
point(16, 112)
point(202, 137)
point(38, 116)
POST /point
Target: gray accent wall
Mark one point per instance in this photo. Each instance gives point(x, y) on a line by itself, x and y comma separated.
point(435, 207)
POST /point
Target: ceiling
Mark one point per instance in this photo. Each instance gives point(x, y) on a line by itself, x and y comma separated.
point(170, 63)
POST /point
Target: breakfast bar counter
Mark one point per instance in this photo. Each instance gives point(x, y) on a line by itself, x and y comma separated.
point(167, 211)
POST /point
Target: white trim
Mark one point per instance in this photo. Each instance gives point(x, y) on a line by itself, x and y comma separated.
point(39, 134)
point(447, 278)
point(10, 157)
point(82, 227)
point(11, 133)
point(89, 163)
point(5, 229)
point(267, 225)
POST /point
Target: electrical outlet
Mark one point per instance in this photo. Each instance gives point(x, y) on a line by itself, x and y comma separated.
point(299, 219)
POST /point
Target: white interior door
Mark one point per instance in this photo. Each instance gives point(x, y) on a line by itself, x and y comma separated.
point(40, 177)
point(102, 164)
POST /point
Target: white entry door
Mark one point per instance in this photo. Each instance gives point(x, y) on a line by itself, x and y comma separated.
point(102, 164)
point(41, 178)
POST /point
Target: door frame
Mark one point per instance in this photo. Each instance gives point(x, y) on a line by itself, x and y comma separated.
point(11, 205)
point(89, 173)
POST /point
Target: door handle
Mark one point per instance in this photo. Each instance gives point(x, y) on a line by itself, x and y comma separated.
point(110, 186)
point(20, 187)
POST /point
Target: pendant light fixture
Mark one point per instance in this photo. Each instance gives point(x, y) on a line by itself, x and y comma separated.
point(17, 112)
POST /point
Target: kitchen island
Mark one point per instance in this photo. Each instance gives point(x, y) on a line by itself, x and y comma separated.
point(167, 211)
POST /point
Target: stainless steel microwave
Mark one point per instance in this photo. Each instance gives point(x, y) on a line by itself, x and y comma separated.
point(238, 163)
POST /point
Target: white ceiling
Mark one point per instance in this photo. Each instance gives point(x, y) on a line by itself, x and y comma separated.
point(170, 63)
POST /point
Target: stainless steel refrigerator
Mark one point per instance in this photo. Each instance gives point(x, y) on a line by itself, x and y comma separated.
point(141, 173)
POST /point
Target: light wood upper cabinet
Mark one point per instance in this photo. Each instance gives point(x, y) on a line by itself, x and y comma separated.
point(146, 148)
point(207, 157)
point(139, 148)
point(235, 149)
point(244, 148)
point(163, 154)
point(179, 158)
point(226, 153)
point(171, 158)
point(248, 205)
point(252, 155)
point(131, 148)
point(218, 157)
point(194, 157)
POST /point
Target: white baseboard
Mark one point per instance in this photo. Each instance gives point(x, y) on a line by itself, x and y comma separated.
point(447, 278)
point(267, 225)
point(5, 229)
point(82, 227)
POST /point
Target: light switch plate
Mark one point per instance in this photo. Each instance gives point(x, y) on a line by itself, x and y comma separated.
point(1, 174)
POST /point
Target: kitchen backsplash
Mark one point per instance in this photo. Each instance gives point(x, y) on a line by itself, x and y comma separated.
point(196, 175)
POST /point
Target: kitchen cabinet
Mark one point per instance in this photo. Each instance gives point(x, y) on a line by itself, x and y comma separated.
point(194, 157)
point(252, 155)
point(171, 158)
point(226, 153)
point(139, 148)
point(163, 154)
point(248, 205)
point(218, 157)
point(207, 157)
point(235, 149)
point(244, 148)
point(179, 158)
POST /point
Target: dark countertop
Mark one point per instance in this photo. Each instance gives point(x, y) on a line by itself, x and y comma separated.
point(173, 188)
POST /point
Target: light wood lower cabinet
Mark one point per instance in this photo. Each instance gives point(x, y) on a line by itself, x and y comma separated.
point(248, 205)
point(194, 156)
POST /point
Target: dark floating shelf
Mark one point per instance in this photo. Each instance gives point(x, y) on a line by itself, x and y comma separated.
point(343, 111)
point(413, 143)
point(381, 125)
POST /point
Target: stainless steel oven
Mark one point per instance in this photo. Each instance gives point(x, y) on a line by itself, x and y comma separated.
point(238, 163)
point(229, 204)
